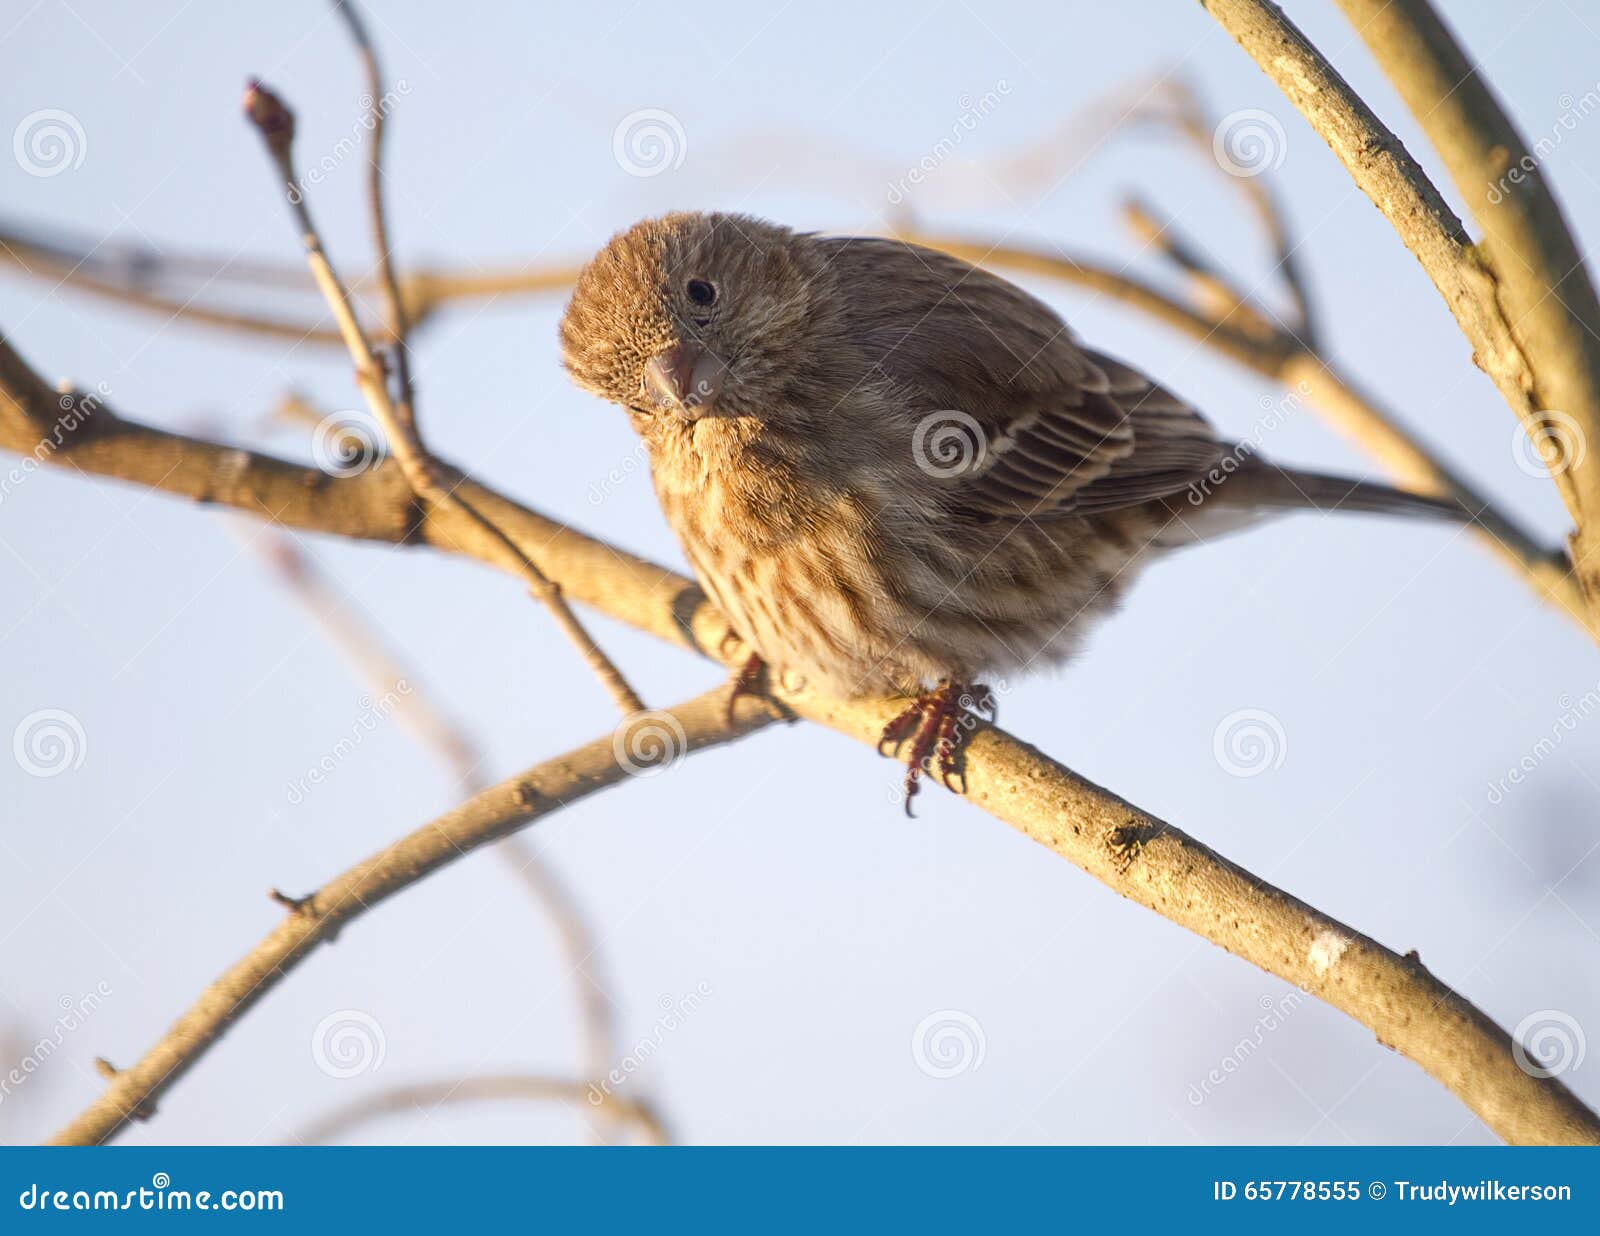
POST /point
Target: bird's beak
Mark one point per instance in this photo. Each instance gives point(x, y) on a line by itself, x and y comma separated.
point(685, 378)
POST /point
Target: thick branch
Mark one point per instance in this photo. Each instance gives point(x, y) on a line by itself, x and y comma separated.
point(1133, 853)
point(488, 816)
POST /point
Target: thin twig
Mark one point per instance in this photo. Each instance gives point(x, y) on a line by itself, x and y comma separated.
point(276, 124)
point(416, 1096)
point(498, 811)
point(439, 733)
point(394, 302)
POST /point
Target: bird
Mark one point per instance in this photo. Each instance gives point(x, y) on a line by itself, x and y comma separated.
point(898, 474)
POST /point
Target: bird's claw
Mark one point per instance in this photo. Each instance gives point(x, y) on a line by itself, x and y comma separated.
point(747, 681)
point(932, 722)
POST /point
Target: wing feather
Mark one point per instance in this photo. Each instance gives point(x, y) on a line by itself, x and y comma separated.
point(1066, 430)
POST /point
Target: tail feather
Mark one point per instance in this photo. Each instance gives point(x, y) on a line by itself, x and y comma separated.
point(1266, 485)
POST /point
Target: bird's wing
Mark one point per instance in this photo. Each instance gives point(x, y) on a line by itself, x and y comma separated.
point(1050, 427)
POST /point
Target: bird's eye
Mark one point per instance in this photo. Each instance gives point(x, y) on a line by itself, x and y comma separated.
point(701, 292)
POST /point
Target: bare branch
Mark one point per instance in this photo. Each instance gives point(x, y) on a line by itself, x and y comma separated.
point(276, 124)
point(495, 813)
point(462, 757)
point(394, 302)
point(402, 1100)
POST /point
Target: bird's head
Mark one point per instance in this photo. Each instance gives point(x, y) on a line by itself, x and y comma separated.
point(693, 315)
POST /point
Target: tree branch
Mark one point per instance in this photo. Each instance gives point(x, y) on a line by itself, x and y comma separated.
point(1131, 852)
point(495, 813)
point(407, 1098)
point(460, 755)
point(276, 125)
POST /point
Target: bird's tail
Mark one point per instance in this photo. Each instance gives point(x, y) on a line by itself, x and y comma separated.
point(1265, 485)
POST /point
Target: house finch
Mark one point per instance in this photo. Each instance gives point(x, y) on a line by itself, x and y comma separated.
point(894, 472)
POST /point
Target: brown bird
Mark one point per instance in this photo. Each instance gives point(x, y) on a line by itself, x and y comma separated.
point(896, 473)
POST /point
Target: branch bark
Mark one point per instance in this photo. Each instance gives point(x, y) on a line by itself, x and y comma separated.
point(1133, 853)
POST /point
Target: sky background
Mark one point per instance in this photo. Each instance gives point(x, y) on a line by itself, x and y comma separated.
point(1402, 669)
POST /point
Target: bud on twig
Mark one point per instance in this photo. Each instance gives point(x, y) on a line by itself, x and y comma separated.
point(272, 118)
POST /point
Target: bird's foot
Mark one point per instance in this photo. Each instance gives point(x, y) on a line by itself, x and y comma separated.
point(746, 681)
point(933, 722)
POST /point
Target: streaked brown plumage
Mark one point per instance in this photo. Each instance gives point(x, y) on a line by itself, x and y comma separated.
point(891, 469)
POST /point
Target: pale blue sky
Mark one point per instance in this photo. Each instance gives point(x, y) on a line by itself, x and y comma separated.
point(1406, 669)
